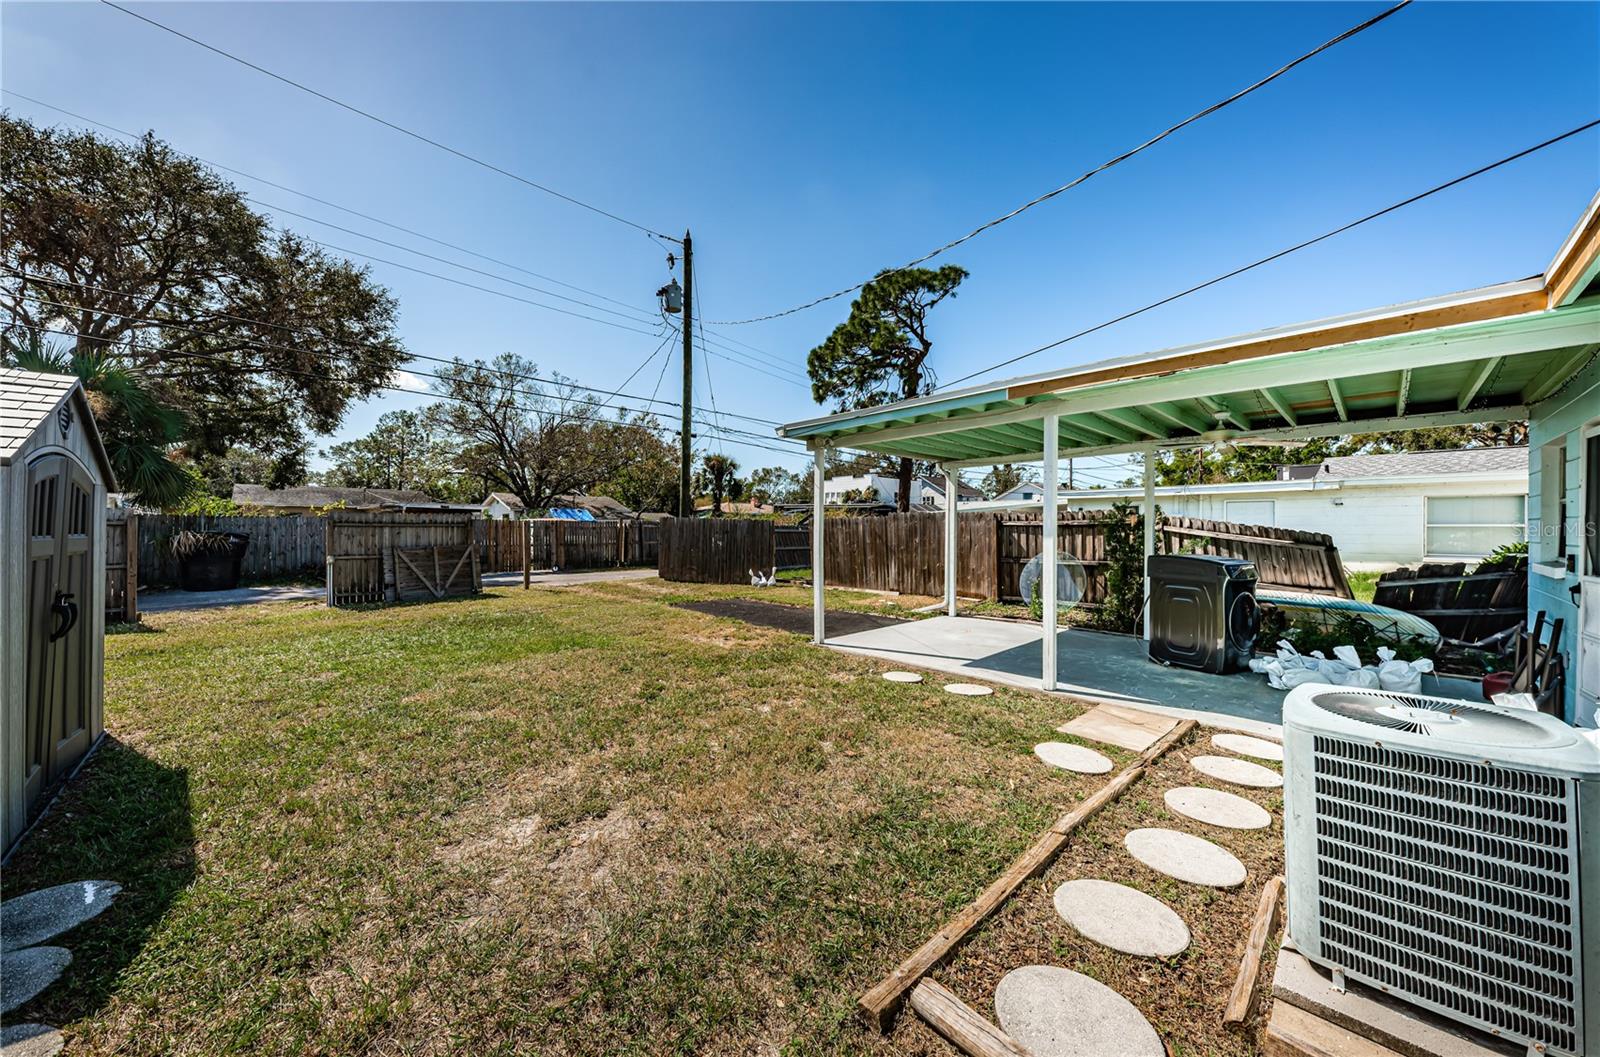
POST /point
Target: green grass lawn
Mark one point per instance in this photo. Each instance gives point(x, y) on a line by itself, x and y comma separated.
point(565, 821)
point(1363, 585)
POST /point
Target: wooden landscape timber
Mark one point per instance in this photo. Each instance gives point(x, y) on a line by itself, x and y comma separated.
point(879, 1005)
point(1268, 913)
point(964, 1027)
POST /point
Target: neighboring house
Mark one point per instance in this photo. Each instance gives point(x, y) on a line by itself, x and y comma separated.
point(600, 507)
point(502, 505)
point(312, 499)
point(926, 492)
point(1021, 492)
point(1382, 511)
point(929, 492)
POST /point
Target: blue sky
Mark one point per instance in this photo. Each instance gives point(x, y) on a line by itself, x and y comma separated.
point(808, 146)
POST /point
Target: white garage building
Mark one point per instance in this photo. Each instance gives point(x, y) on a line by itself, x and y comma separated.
point(1381, 510)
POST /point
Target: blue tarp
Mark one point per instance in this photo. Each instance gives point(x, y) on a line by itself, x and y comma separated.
point(569, 513)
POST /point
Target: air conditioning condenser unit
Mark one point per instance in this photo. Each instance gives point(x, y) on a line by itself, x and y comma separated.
point(1448, 853)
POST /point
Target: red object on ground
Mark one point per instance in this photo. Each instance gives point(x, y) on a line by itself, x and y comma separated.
point(1495, 683)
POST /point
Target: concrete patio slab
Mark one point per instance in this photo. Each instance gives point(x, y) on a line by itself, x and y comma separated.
point(1133, 729)
point(176, 601)
point(1093, 666)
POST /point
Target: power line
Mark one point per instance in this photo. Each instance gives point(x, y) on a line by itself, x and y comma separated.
point(265, 346)
point(1508, 159)
point(721, 341)
point(390, 124)
point(1152, 141)
point(279, 326)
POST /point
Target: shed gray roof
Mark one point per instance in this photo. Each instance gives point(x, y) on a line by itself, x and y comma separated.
point(320, 495)
point(28, 399)
point(1426, 463)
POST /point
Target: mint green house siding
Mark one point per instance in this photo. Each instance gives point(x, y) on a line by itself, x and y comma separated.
point(1556, 429)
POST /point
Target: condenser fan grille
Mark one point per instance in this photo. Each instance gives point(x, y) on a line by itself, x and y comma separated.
point(1450, 884)
point(1433, 718)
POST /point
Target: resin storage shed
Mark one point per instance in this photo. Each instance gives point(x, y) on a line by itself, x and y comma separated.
point(54, 477)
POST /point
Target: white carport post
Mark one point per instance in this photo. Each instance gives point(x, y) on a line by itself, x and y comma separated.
point(1047, 571)
point(952, 481)
point(818, 509)
point(1149, 529)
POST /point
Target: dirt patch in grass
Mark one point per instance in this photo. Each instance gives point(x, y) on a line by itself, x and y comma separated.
point(1183, 997)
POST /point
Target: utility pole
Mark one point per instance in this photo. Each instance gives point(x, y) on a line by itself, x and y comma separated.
point(685, 448)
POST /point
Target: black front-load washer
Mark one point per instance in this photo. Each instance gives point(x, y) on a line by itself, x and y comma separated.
point(1202, 611)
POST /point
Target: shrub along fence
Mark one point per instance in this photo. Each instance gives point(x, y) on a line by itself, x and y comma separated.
point(905, 552)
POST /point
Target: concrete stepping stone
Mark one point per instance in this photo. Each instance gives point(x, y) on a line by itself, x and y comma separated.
point(25, 973)
point(1216, 808)
point(1235, 771)
point(1122, 918)
point(1245, 745)
point(969, 689)
point(1070, 757)
point(1126, 728)
point(902, 677)
point(1186, 857)
point(1055, 1012)
point(37, 916)
point(30, 1040)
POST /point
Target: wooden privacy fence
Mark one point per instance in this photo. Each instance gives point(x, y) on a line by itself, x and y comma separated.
point(279, 546)
point(905, 552)
point(122, 566)
point(715, 550)
point(556, 543)
point(375, 557)
point(1465, 607)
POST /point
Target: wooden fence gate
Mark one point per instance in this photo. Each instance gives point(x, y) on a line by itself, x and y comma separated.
point(557, 543)
point(378, 557)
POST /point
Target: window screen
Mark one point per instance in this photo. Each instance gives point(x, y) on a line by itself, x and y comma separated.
point(1473, 526)
point(1591, 507)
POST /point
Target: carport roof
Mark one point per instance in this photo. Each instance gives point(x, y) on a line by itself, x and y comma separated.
point(1484, 355)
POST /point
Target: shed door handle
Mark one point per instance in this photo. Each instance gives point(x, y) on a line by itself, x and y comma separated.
point(66, 611)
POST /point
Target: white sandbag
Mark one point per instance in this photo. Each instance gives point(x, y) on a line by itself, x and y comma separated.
point(1403, 677)
point(1363, 678)
point(1348, 656)
point(1524, 701)
point(1293, 677)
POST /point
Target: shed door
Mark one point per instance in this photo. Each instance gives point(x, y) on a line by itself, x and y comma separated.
point(60, 562)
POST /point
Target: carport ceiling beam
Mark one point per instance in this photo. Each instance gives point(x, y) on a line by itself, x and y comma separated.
point(1404, 397)
point(1338, 400)
point(1133, 419)
point(1178, 416)
point(1281, 406)
point(1096, 424)
point(1475, 384)
point(1548, 382)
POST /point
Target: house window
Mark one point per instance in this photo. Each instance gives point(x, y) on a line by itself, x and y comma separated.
point(1472, 526)
point(1250, 511)
point(1591, 507)
point(1552, 541)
